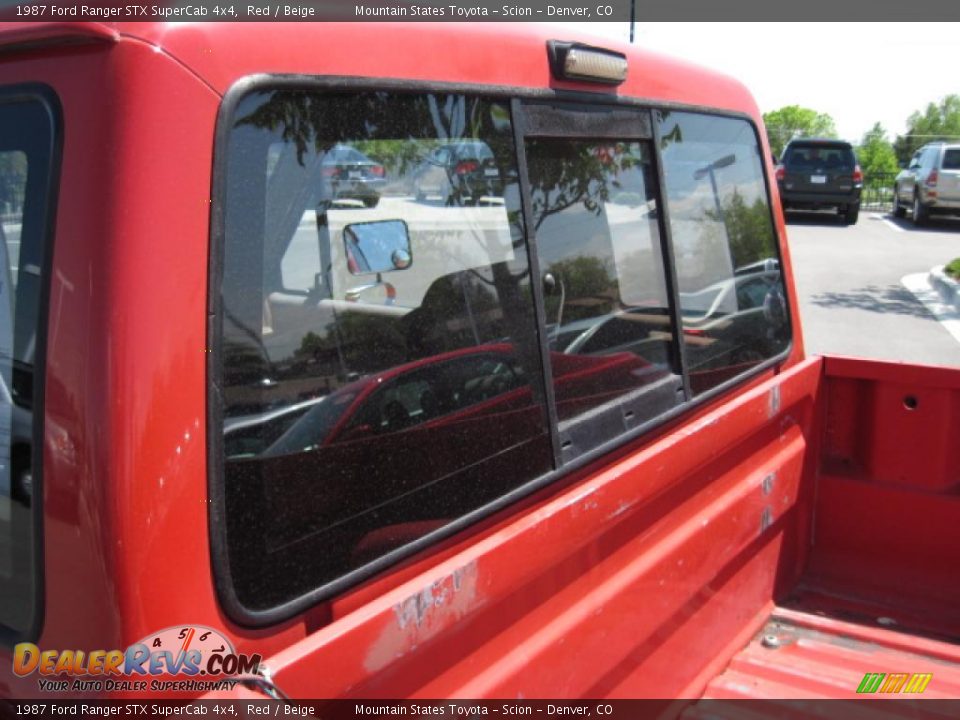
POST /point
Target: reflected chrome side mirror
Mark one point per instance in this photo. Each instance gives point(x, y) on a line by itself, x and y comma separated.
point(377, 247)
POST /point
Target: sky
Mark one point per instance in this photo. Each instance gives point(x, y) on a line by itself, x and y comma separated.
point(858, 73)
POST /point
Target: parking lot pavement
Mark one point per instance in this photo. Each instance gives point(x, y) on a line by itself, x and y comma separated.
point(852, 300)
point(922, 287)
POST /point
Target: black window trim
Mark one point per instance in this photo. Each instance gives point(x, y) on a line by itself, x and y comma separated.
point(48, 98)
point(513, 96)
point(559, 119)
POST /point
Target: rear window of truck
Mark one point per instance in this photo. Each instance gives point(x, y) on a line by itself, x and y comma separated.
point(452, 330)
point(27, 141)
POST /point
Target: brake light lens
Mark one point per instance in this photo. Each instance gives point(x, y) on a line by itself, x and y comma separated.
point(857, 174)
point(780, 173)
point(467, 166)
point(932, 179)
point(377, 170)
point(575, 61)
point(331, 171)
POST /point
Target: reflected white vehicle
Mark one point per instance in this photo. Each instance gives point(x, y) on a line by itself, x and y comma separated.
point(728, 322)
point(249, 435)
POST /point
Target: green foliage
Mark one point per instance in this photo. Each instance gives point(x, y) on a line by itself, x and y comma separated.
point(584, 276)
point(589, 288)
point(567, 175)
point(398, 156)
point(876, 154)
point(370, 342)
point(13, 180)
point(953, 268)
point(794, 121)
point(392, 129)
point(749, 230)
point(940, 121)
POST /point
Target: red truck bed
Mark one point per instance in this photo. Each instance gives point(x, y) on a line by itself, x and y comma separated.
point(880, 592)
point(813, 653)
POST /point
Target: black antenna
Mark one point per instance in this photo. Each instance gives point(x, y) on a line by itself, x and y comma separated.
point(633, 17)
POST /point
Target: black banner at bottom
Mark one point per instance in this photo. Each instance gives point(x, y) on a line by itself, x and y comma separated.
point(510, 709)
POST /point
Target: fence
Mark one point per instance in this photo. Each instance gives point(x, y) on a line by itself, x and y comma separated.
point(878, 191)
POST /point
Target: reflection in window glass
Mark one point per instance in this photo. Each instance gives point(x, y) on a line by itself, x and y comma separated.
point(380, 367)
point(728, 270)
point(25, 156)
point(595, 214)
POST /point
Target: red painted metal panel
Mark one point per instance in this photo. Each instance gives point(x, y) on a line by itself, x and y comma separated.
point(887, 497)
point(657, 561)
point(802, 656)
point(921, 375)
point(17, 36)
point(889, 544)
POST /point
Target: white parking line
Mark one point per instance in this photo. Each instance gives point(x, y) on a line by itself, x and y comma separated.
point(919, 285)
point(887, 221)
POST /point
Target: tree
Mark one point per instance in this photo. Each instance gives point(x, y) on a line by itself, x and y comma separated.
point(748, 229)
point(794, 121)
point(13, 180)
point(940, 121)
point(876, 154)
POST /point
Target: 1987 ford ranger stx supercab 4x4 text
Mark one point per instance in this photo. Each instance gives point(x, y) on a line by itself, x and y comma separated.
point(436, 362)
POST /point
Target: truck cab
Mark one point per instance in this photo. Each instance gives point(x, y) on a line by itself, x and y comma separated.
point(547, 430)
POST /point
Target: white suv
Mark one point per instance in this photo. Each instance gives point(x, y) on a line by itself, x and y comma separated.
point(930, 184)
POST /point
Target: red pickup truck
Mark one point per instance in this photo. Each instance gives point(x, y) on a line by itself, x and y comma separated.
point(541, 427)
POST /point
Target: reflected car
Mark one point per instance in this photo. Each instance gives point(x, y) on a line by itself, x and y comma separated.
point(250, 435)
point(460, 172)
point(452, 387)
point(730, 322)
point(445, 414)
point(734, 321)
point(642, 331)
point(348, 174)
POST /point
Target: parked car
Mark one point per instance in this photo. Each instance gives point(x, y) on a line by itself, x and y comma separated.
point(460, 172)
point(816, 173)
point(348, 174)
point(930, 184)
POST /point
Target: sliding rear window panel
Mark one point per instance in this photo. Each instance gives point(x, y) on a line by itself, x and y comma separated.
point(274, 612)
point(37, 133)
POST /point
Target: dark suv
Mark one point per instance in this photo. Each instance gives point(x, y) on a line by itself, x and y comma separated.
point(815, 173)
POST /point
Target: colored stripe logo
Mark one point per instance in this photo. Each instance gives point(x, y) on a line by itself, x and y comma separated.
point(889, 683)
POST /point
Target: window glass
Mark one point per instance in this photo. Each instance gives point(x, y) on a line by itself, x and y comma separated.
point(25, 157)
point(379, 360)
point(595, 212)
point(951, 159)
point(728, 270)
point(812, 156)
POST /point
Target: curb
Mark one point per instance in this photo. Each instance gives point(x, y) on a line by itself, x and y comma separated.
point(948, 288)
